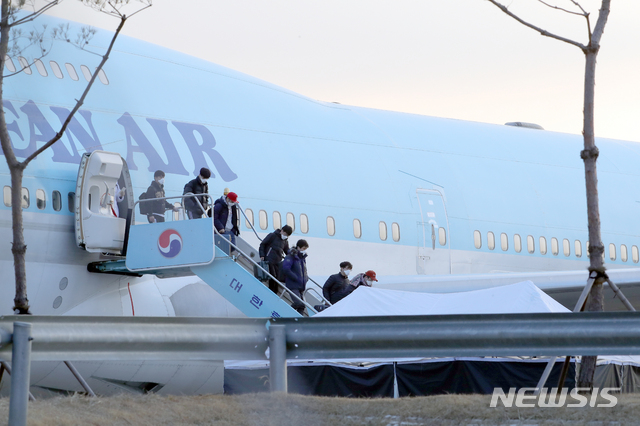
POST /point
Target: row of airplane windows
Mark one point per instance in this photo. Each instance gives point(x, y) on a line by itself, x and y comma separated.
point(263, 219)
point(555, 246)
point(263, 223)
point(41, 199)
point(55, 68)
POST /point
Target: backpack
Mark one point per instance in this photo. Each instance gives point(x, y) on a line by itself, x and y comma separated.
point(145, 208)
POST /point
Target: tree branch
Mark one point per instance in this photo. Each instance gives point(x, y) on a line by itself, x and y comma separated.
point(564, 10)
point(80, 101)
point(35, 14)
point(600, 23)
point(538, 29)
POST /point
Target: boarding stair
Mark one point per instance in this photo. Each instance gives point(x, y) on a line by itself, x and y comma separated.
point(181, 247)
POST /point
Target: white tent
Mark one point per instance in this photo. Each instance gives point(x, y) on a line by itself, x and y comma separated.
point(522, 297)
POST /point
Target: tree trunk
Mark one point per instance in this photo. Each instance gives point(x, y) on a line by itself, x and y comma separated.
point(19, 248)
point(596, 247)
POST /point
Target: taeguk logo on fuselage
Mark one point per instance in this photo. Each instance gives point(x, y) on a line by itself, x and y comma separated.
point(170, 243)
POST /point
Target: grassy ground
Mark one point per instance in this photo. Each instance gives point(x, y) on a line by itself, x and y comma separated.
point(279, 409)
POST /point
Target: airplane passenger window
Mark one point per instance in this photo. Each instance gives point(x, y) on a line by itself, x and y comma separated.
point(56, 69)
point(56, 199)
point(103, 77)
point(40, 67)
point(176, 215)
point(491, 240)
point(504, 242)
point(588, 249)
point(623, 253)
point(331, 226)
point(72, 72)
point(395, 231)
point(578, 248)
point(9, 64)
point(249, 218)
point(277, 220)
point(6, 192)
point(442, 236)
point(517, 243)
point(477, 239)
point(85, 72)
point(357, 228)
point(635, 255)
point(382, 227)
point(24, 64)
point(25, 198)
point(71, 200)
point(264, 221)
point(543, 245)
point(291, 221)
point(304, 223)
point(555, 247)
point(531, 244)
point(41, 201)
point(566, 247)
point(612, 251)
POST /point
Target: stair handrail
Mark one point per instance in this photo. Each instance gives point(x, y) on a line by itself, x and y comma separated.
point(310, 279)
point(284, 288)
point(181, 197)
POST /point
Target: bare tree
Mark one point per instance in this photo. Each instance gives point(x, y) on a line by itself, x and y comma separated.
point(11, 19)
point(589, 155)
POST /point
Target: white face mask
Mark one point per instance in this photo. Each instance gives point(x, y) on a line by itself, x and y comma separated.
point(161, 181)
point(284, 236)
point(346, 272)
point(303, 251)
point(203, 180)
point(369, 281)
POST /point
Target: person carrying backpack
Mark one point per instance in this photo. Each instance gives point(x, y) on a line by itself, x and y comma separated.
point(273, 249)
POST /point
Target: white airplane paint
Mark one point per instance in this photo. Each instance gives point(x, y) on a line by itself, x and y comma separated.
point(420, 200)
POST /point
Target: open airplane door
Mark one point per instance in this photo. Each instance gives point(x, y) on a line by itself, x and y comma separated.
point(98, 227)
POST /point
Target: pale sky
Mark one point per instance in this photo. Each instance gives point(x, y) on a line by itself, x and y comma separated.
point(462, 59)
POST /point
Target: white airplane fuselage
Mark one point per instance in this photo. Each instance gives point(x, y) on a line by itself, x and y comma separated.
point(405, 195)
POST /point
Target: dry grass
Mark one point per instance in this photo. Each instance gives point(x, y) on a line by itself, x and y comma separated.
point(280, 409)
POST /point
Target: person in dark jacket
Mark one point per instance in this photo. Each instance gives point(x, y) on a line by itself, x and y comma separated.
point(198, 185)
point(366, 279)
point(337, 282)
point(155, 209)
point(225, 216)
point(273, 249)
point(294, 268)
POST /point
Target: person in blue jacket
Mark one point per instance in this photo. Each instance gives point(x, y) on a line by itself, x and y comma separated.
point(225, 216)
point(294, 268)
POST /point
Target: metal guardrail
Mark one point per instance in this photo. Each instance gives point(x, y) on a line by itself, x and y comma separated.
point(128, 338)
point(67, 338)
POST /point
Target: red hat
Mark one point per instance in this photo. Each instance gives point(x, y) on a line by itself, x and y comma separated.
point(232, 196)
point(371, 275)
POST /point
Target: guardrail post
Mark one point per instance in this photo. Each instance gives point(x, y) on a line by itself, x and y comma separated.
point(20, 375)
point(278, 357)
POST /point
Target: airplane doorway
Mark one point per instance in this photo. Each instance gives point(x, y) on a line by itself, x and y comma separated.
point(434, 257)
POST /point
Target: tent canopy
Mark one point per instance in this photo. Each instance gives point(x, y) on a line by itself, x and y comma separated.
point(523, 297)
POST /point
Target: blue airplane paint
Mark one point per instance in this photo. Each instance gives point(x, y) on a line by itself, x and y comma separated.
point(286, 152)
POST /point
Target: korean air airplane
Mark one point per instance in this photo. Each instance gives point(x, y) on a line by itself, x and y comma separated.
point(430, 204)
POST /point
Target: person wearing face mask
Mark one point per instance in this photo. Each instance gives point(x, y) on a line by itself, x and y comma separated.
point(294, 268)
point(196, 186)
point(364, 279)
point(337, 282)
point(155, 209)
point(225, 216)
point(273, 249)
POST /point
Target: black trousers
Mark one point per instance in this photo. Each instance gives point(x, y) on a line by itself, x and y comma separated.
point(158, 218)
point(274, 269)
